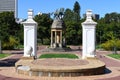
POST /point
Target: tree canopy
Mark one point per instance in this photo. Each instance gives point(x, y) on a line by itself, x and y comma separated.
point(10, 31)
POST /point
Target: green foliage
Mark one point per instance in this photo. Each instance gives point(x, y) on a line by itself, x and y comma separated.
point(19, 47)
point(116, 56)
point(109, 45)
point(46, 41)
point(76, 10)
point(69, 15)
point(51, 55)
point(4, 55)
point(73, 33)
point(107, 25)
point(9, 29)
point(44, 25)
point(11, 43)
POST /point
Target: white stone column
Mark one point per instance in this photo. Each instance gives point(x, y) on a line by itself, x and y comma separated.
point(51, 39)
point(30, 36)
point(55, 44)
point(89, 40)
point(61, 39)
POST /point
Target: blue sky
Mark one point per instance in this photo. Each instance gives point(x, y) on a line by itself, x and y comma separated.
point(45, 6)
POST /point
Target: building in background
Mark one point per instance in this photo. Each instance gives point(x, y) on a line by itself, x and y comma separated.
point(9, 5)
point(94, 16)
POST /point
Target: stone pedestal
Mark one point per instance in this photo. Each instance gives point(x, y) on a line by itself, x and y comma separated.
point(30, 36)
point(88, 36)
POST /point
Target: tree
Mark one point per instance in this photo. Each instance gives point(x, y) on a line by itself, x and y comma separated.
point(44, 25)
point(73, 33)
point(76, 10)
point(73, 27)
point(112, 17)
point(68, 15)
point(9, 28)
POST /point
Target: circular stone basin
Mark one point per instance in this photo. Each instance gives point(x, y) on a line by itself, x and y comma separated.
point(60, 67)
point(59, 62)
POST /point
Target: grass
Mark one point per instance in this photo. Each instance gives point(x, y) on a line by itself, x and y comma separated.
point(116, 56)
point(3, 55)
point(52, 55)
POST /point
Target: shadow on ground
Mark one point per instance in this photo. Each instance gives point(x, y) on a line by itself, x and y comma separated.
point(8, 62)
point(107, 71)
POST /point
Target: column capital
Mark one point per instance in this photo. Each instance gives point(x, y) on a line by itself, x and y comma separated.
point(89, 18)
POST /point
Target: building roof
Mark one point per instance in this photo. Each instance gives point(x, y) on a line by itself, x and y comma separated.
point(57, 24)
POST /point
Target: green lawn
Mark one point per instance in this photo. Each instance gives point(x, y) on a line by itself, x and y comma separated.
point(116, 56)
point(52, 55)
point(3, 55)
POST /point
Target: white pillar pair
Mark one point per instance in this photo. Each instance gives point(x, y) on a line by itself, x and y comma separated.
point(30, 36)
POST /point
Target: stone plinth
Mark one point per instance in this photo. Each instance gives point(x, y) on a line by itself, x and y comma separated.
point(89, 40)
point(30, 36)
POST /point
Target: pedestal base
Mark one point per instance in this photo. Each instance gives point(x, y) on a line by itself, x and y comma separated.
point(72, 68)
point(28, 58)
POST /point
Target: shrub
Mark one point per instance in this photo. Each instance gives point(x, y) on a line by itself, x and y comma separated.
point(46, 41)
point(11, 43)
point(109, 45)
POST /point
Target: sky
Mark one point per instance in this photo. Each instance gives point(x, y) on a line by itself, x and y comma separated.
point(100, 7)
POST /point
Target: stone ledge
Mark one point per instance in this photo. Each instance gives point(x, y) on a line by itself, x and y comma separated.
point(94, 67)
point(28, 58)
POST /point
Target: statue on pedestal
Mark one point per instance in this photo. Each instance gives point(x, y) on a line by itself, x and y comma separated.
point(57, 29)
point(58, 14)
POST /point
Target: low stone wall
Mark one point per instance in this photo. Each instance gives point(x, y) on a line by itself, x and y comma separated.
point(94, 67)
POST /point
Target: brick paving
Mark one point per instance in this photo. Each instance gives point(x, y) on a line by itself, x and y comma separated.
point(108, 61)
point(113, 78)
point(8, 72)
point(60, 62)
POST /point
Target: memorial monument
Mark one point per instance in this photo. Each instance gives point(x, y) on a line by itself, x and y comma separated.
point(59, 67)
point(30, 36)
point(88, 36)
point(57, 30)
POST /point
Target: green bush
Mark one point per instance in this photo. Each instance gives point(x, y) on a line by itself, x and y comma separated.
point(109, 45)
point(46, 41)
point(11, 43)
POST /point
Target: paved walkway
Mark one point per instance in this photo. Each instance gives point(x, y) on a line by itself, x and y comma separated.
point(7, 69)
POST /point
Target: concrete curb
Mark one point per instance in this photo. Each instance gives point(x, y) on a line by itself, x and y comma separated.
point(111, 58)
